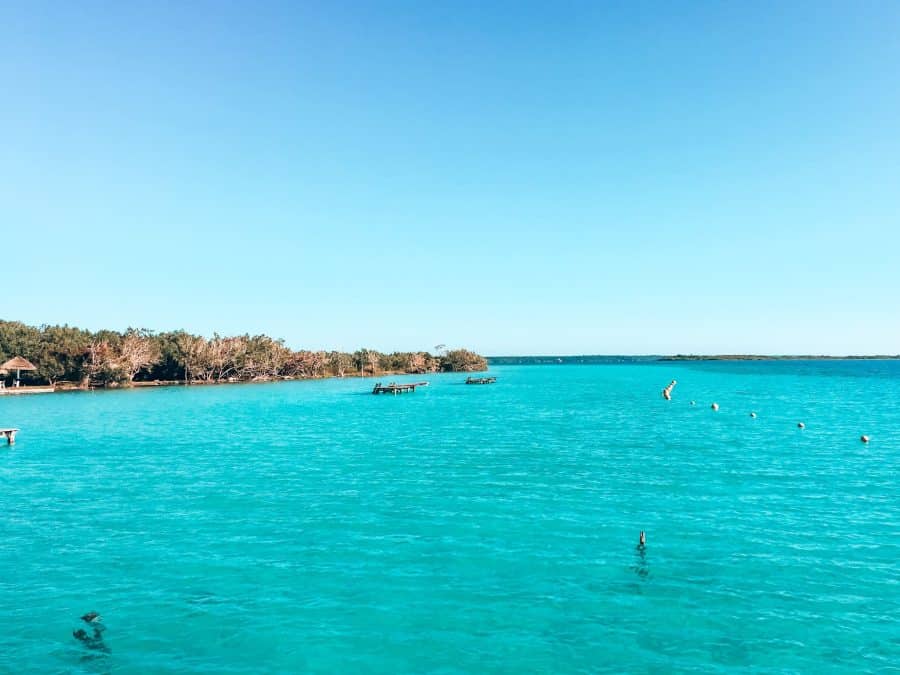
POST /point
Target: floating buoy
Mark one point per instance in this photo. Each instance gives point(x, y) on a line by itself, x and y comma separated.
point(800, 425)
point(667, 392)
point(693, 402)
point(753, 414)
point(864, 438)
point(714, 406)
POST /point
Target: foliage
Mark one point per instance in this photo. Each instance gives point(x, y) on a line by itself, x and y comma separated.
point(462, 360)
point(108, 358)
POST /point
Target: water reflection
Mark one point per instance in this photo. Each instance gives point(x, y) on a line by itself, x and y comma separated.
point(640, 568)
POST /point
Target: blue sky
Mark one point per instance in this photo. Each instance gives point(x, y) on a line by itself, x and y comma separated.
point(516, 178)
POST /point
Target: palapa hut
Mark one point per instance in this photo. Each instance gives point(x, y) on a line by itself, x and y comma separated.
point(18, 364)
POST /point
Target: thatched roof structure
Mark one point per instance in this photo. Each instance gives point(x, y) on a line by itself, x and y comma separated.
point(18, 363)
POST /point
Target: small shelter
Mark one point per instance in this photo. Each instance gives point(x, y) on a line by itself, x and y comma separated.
point(18, 364)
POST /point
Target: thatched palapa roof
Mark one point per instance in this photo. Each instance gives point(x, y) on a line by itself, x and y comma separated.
point(18, 363)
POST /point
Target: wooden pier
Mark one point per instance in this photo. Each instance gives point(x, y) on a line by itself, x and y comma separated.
point(394, 388)
point(10, 435)
point(18, 391)
point(481, 380)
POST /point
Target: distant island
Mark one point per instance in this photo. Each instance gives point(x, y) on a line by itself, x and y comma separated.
point(567, 360)
point(69, 357)
point(655, 358)
point(765, 357)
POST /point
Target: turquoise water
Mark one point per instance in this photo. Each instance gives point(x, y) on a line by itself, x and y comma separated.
point(313, 527)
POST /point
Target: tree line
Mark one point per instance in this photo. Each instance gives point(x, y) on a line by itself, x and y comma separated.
point(110, 358)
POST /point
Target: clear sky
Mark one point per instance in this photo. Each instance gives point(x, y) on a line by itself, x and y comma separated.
point(513, 177)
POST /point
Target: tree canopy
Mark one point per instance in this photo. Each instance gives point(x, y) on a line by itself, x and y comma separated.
point(110, 358)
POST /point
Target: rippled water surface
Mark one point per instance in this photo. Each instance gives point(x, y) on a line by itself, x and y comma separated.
point(313, 527)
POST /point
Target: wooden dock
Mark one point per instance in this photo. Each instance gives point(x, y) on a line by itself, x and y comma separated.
point(481, 380)
point(20, 391)
point(394, 388)
point(10, 435)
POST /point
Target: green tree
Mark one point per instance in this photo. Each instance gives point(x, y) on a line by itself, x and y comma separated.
point(61, 354)
point(462, 360)
point(137, 350)
point(17, 339)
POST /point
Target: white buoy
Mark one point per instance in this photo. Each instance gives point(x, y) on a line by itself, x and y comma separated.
point(864, 439)
point(753, 414)
point(800, 425)
point(667, 392)
point(714, 406)
point(693, 402)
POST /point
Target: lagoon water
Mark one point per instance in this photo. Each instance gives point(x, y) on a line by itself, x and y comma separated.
point(313, 527)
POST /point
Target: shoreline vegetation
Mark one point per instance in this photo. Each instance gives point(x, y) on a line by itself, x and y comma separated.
point(68, 358)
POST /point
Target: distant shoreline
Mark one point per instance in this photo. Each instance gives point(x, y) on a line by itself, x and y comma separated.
point(768, 357)
point(66, 387)
point(654, 358)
